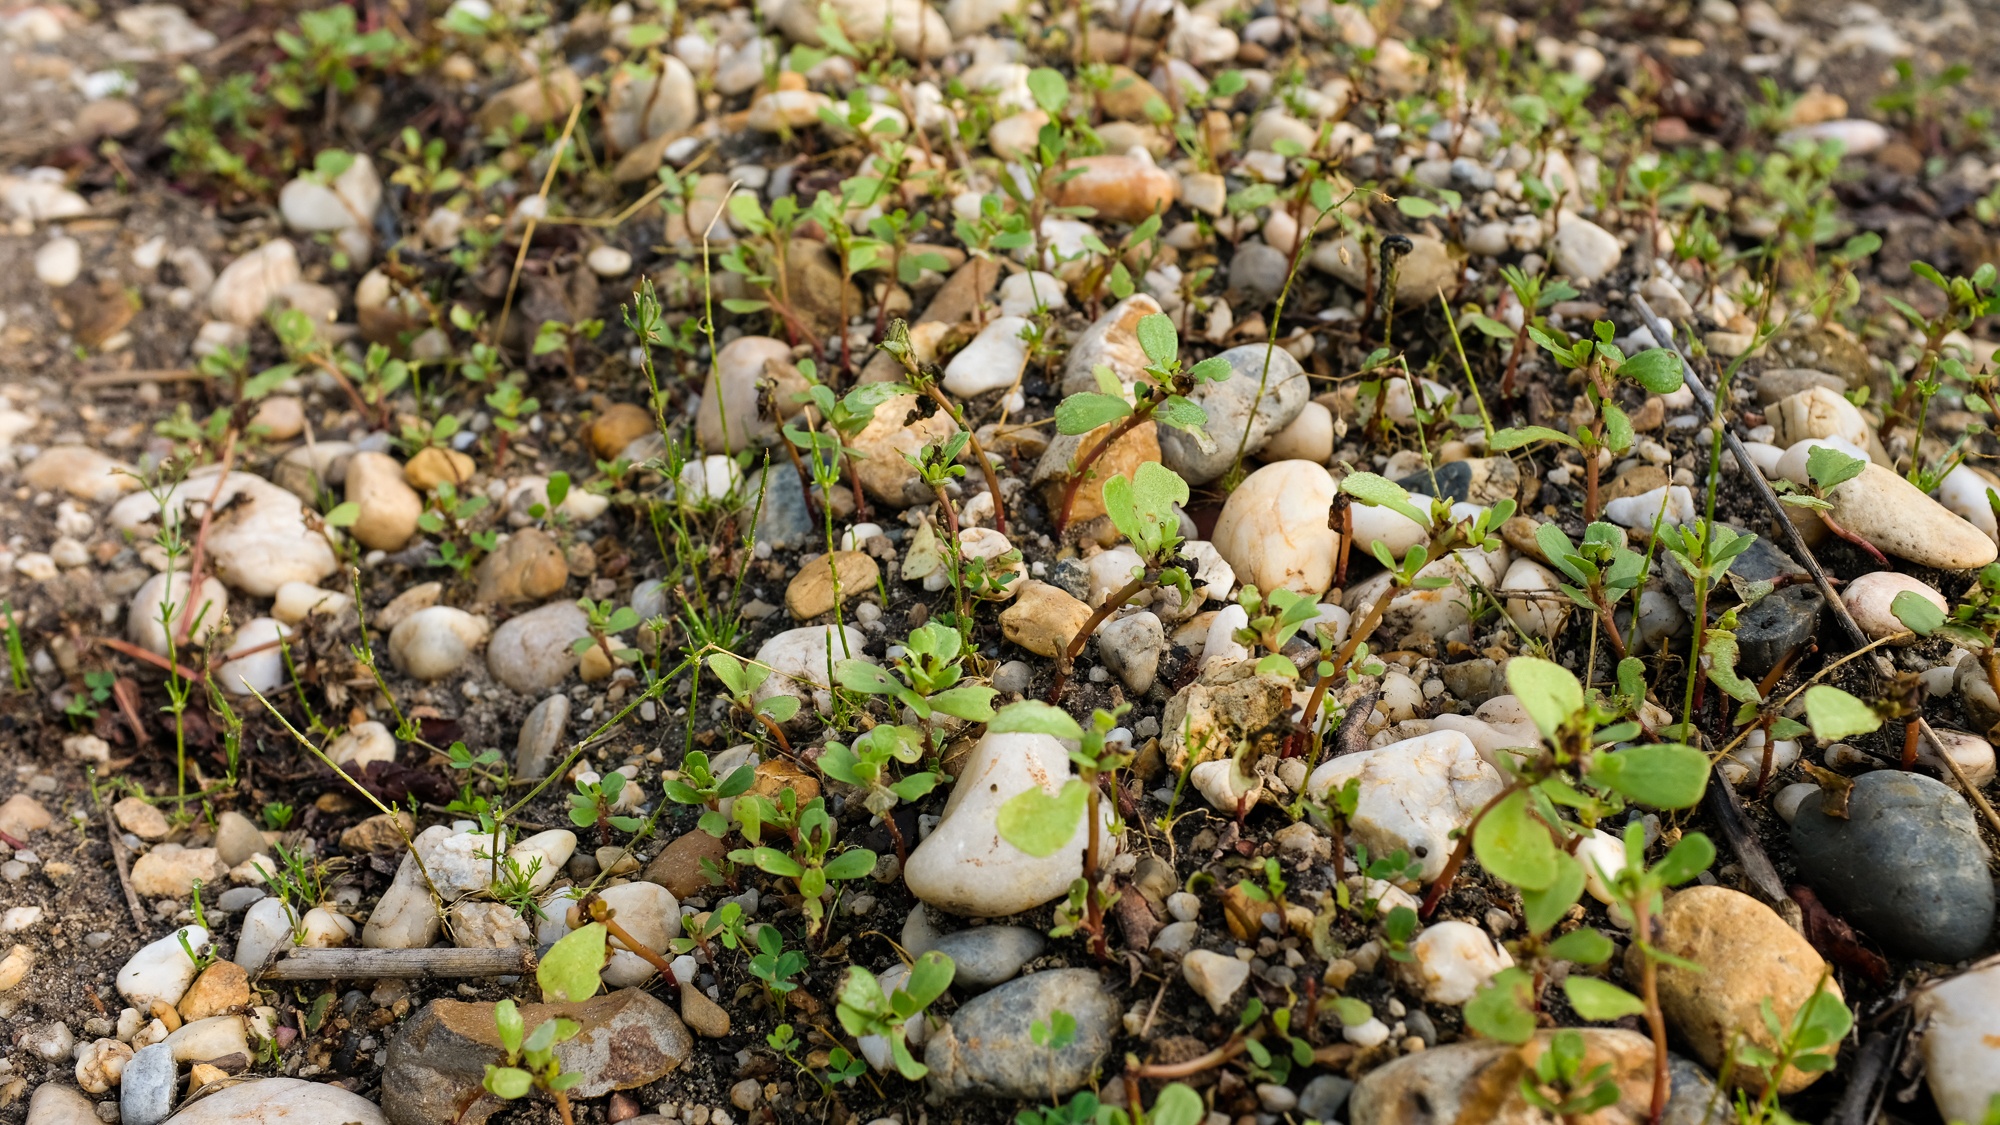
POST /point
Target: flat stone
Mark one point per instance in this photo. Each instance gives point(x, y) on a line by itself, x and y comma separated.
point(1480, 1080)
point(1906, 866)
point(1781, 383)
point(989, 955)
point(528, 567)
point(1961, 1017)
point(678, 866)
point(280, 1101)
point(1775, 627)
point(811, 590)
point(57, 1104)
point(531, 653)
point(1747, 955)
point(1112, 340)
point(1414, 793)
point(1891, 513)
point(1053, 471)
point(146, 1088)
point(965, 866)
point(541, 733)
point(1266, 390)
point(985, 1049)
point(1226, 707)
point(1123, 189)
point(1043, 619)
point(433, 1066)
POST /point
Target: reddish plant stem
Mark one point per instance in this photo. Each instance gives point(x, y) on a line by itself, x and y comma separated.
point(1443, 885)
point(978, 453)
point(1656, 1020)
point(195, 575)
point(1851, 537)
point(1111, 605)
point(1090, 456)
point(1611, 634)
point(1513, 361)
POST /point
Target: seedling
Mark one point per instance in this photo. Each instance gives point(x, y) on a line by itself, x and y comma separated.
point(864, 1009)
point(698, 786)
point(528, 1063)
point(1602, 364)
point(925, 679)
point(1143, 509)
point(1603, 569)
point(1160, 394)
point(867, 763)
point(741, 681)
point(1828, 468)
point(1808, 1044)
point(1039, 824)
point(812, 865)
point(775, 965)
point(592, 804)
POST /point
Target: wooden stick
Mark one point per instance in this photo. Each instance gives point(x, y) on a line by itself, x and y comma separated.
point(125, 875)
point(388, 964)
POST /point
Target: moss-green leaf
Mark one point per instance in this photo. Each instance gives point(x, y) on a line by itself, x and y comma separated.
point(1597, 1000)
point(1547, 691)
point(1833, 714)
point(1039, 824)
point(570, 969)
point(1665, 776)
point(1514, 846)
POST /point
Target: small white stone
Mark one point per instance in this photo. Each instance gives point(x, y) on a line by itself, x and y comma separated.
point(993, 360)
point(161, 971)
point(609, 261)
point(1021, 293)
point(1217, 978)
point(1414, 793)
point(1585, 252)
point(59, 261)
point(1452, 961)
point(262, 670)
point(1870, 599)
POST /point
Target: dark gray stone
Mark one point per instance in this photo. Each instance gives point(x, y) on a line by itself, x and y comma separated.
point(1906, 865)
point(985, 1049)
point(1258, 272)
point(1072, 577)
point(989, 955)
point(1324, 1097)
point(1784, 382)
point(784, 521)
point(1775, 626)
point(1477, 480)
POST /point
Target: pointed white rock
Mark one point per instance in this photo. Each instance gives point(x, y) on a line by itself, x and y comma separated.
point(964, 866)
point(1413, 794)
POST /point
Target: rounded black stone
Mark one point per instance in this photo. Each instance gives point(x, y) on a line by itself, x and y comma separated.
point(1907, 866)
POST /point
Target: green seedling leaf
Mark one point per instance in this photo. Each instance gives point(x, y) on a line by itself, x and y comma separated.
point(1833, 714)
point(1542, 909)
point(1664, 776)
point(1178, 1105)
point(509, 1082)
point(1039, 824)
point(569, 971)
point(1084, 411)
point(1584, 946)
point(1918, 614)
point(1514, 845)
point(1685, 860)
point(1382, 492)
point(1032, 716)
point(1656, 369)
point(1158, 339)
point(1547, 691)
point(1516, 437)
point(1502, 1009)
point(1829, 467)
point(1598, 1000)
